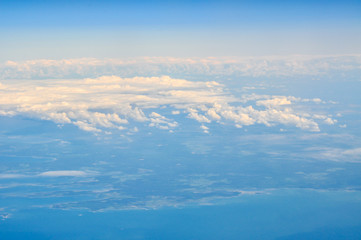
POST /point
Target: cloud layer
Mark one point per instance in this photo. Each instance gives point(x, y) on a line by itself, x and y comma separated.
point(112, 103)
point(157, 66)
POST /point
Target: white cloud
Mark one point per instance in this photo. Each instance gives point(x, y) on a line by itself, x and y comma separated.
point(198, 117)
point(330, 121)
point(67, 173)
point(205, 129)
point(152, 66)
point(356, 152)
point(175, 112)
point(274, 102)
point(112, 103)
point(327, 120)
point(161, 122)
point(7, 113)
point(213, 114)
point(337, 154)
point(11, 175)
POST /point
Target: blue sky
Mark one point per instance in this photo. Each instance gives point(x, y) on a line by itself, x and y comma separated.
point(43, 14)
point(168, 106)
point(58, 29)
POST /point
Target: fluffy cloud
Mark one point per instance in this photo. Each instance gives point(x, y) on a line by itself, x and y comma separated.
point(274, 102)
point(113, 103)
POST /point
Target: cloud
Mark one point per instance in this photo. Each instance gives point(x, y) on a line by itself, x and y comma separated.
point(159, 121)
point(198, 117)
point(337, 154)
point(156, 66)
point(11, 175)
point(205, 129)
point(354, 153)
point(112, 103)
point(67, 173)
point(274, 102)
point(175, 112)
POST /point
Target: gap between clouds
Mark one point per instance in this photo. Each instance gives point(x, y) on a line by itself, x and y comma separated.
point(112, 103)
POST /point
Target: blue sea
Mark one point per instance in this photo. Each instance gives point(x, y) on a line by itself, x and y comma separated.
point(281, 214)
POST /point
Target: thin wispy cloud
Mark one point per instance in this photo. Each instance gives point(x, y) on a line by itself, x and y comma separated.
point(156, 66)
point(64, 173)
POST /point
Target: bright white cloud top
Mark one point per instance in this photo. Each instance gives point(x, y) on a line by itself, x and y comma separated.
point(112, 103)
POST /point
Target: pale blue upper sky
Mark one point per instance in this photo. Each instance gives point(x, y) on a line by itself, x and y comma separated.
point(64, 29)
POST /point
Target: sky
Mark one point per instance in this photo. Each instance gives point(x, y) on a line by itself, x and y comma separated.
point(180, 120)
point(116, 29)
